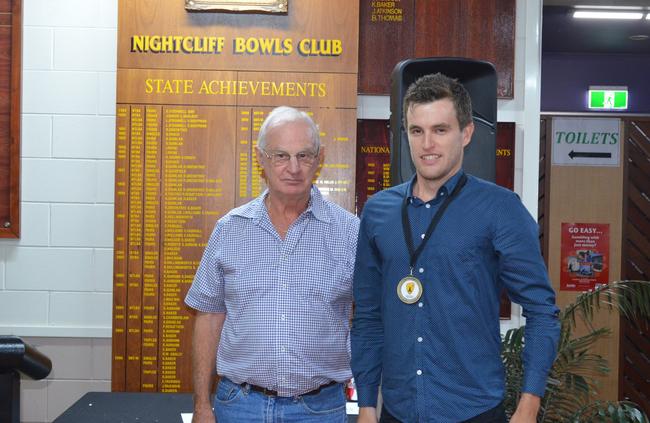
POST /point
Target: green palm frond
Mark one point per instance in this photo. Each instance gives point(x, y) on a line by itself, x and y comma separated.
point(573, 379)
point(573, 355)
point(609, 411)
point(512, 347)
point(630, 298)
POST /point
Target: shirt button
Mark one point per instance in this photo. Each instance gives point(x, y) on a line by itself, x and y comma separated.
point(419, 372)
point(422, 236)
point(420, 305)
point(282, 349)
point(283, 317)
point(419, 339)
point(421, 270)
point(427, 205)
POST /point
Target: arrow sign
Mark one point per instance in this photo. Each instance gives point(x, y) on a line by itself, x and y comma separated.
point(592, 141)
point(589, 154)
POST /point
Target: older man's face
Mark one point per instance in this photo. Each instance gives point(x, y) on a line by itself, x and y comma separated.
point(290, 178)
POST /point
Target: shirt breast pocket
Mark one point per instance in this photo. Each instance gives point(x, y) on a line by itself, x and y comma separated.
point(327, 278)
point(248, 279)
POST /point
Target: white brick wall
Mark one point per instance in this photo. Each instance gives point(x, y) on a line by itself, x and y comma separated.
point(60, 269)
point(56, 281)
point(23, 308)
point(79, 365)
point(36, 136)
point(2, 269)
point(63, 259)
point(70, 13)
point(68, 125)
point(82, 136)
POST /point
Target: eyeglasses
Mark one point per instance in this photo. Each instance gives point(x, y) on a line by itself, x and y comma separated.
point(281, 158)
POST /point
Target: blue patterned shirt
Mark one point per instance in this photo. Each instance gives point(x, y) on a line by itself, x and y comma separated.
point(438, 360)
point(287, 302)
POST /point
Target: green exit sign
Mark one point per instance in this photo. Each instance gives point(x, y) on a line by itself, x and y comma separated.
point(608, 98)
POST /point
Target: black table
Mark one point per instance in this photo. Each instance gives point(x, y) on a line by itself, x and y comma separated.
point(131, 407)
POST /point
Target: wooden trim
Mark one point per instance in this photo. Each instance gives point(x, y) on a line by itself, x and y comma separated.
point(629, 381)
point(14, 125)
point(622, 322)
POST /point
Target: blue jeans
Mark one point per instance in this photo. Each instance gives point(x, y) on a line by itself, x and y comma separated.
point(235, 404)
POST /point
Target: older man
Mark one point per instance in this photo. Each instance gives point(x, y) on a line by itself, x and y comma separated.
point(273, 292)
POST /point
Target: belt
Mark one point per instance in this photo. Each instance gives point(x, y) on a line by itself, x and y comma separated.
point(272, 393)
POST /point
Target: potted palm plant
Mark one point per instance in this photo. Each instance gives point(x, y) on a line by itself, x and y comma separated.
point(572, 382)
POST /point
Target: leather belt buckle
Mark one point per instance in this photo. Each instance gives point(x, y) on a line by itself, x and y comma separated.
point(320, 388)
point(272, 393)
point(265, 391)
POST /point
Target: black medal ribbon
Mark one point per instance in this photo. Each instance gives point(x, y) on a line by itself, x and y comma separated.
point(406, 224)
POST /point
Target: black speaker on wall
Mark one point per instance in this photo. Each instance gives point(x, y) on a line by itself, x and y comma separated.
point(480, 80)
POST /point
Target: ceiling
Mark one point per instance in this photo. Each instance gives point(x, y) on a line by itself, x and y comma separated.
point(561, 33)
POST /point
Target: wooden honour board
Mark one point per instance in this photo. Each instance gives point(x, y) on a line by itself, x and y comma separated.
point(186, 125)
point(392, 31)
point(10, 77)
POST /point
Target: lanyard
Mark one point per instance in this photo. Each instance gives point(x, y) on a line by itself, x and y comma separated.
point(406, 224)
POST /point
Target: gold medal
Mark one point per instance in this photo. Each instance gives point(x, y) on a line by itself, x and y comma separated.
point(409, 289)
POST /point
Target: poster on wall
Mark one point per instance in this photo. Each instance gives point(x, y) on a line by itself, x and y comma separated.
point(584, 255)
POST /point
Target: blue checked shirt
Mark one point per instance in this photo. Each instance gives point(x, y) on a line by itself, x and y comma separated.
point(287, 302)
point(438, 360)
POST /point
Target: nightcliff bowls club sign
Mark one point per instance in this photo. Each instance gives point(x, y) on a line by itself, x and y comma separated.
point(191, 44)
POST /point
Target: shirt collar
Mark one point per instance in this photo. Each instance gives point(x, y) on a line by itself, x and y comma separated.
point(256, 208)
point(443, 191)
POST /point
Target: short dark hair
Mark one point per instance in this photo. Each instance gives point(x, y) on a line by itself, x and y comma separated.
point(437, 86)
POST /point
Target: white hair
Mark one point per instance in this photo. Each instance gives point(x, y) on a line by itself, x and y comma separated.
point(285, 114)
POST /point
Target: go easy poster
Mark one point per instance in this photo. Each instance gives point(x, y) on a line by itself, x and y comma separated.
point(584, 255)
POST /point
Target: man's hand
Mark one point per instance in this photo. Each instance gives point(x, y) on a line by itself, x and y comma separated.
point(203, 414)
point(205, 341)
point(367, 415)
point(527, 409)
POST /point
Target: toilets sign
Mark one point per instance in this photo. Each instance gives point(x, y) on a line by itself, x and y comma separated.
point(586, 141)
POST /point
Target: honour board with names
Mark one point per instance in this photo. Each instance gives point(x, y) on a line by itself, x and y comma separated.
point(192, 92)
point(178, 170)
